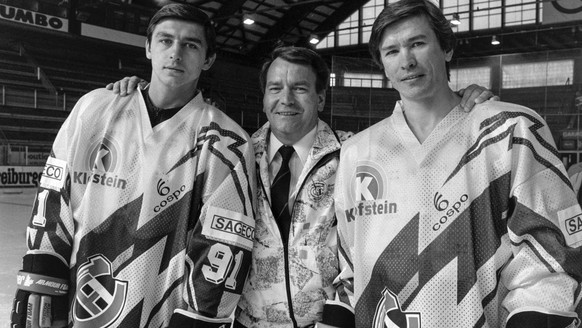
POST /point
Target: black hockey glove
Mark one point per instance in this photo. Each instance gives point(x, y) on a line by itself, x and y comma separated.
point(42, 295)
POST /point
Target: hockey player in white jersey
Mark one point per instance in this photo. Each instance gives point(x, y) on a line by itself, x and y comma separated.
point(447, 218)
point(145, 212)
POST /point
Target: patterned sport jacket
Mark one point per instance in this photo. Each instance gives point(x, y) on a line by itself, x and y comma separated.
point(288, 286)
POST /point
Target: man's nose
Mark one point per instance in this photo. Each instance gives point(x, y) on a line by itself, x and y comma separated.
point(408, 60)
point(287, 96)
point(176, 53)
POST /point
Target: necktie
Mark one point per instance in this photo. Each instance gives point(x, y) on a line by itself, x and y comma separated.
point(280, 193)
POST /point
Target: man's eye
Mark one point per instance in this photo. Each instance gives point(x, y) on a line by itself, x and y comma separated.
point(192, 45)
point(417, 44)
point(165, 41)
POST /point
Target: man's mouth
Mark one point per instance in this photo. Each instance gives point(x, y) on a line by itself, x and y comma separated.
point(287, 113)
point(175, 69)
point(412, 77)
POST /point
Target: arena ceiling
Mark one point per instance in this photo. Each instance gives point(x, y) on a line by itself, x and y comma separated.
point(292, 22)
point(297, 21)
point(275, 21)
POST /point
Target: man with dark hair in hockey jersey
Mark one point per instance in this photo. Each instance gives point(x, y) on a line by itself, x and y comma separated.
point(144, 216)
point(448, 218)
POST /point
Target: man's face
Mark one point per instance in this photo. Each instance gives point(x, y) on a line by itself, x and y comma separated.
point(413, 59)
point(291, 102)
point(178, 53)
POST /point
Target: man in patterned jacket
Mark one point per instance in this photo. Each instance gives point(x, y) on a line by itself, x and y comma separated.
point(294, 258)
point(144, 216)
point(447, 218)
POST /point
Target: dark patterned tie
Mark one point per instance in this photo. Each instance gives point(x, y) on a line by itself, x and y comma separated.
point(280, 193)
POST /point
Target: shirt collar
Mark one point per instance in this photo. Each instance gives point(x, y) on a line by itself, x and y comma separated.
point(302, 147)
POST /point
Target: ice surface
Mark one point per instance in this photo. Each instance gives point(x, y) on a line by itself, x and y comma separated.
point(15, 208)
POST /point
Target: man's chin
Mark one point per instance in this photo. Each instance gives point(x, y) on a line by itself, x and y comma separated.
point(174, 82)
point(417, 93)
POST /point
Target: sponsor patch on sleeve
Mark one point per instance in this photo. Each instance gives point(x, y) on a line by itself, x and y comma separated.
point(229, 227)
point(570, 221)
point(54, 174)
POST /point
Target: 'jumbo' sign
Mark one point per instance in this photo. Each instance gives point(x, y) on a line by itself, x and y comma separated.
point(33, 18)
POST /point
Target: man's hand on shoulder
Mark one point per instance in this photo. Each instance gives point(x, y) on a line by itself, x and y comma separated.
point(127, 85)
point(475, 94)
point(344, 135)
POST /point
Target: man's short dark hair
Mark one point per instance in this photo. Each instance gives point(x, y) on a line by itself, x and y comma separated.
point(301, 56)
point(186, 13)
point(403, 9)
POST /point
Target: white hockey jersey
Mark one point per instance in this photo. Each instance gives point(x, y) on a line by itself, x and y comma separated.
point(475, 225)
point(149, 220)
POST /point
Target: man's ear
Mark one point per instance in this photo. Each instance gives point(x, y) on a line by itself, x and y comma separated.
point(385, 73)
point(449, 55)
point(147, 50)
point(208, 62)
point(321, 100)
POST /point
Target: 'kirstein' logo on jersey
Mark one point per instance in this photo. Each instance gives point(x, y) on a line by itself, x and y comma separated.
point(368, 192)
point(95, 304)
point(104, 156)
point(368, 183)
point(102, 163)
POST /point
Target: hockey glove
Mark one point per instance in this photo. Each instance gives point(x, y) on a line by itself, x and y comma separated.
point(42, 295)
